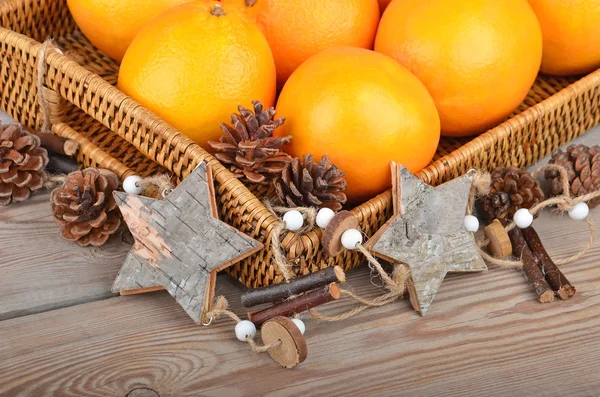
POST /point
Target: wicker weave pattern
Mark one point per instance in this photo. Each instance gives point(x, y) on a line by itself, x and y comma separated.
point(117, 133)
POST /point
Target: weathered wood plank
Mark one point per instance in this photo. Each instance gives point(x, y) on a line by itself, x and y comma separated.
point(486, 335)
point(41, 271)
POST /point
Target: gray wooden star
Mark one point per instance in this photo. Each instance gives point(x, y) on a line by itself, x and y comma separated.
point(180, 244)
point(427, 233)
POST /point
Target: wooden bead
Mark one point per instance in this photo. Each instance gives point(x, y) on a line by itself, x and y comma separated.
point(579, 212)
point(351, 238)
point(130, 184)
point(293, 220)
point(500, 245)
point(523, 218)
point(292, 349)
point(332, 236)
point(324, 216)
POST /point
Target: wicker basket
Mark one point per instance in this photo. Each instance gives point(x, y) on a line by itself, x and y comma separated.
point(117, 133)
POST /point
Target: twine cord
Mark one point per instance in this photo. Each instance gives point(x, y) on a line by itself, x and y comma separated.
point(161, 182)
point(396, 284)
point(564, 203)
point(220, 308)
point(309, 214)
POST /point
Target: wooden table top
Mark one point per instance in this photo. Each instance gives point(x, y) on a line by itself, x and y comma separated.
point(63, 333)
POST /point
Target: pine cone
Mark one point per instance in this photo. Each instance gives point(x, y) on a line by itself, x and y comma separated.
point(84, 207)
point(22, 164)
point(313, 184)
point(583, 168)
point(511, 189)
point(249, 147)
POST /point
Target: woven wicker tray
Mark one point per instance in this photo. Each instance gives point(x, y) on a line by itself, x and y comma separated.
point(117, 133)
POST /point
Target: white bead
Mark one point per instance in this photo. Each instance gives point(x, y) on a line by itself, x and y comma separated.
point(523, 218)
point(130, 184)
point(300, 324)
point(324, 216)
point(245, 328)
point(579, 212)
point(350, 238)
point(471, 223)
point(293, 220)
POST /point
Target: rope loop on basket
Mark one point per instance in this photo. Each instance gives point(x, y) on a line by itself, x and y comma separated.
point(309, 214)
point(45, 103)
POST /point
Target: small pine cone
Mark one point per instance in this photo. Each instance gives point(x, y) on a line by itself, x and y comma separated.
point(312, 184)
point(22, 164)
point(84, 207)
point(511, 189)
point(249, 147)
point(583, 168)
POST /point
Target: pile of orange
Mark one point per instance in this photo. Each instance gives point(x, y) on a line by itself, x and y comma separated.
point(438, 66)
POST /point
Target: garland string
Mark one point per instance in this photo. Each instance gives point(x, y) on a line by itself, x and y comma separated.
point(564, 203)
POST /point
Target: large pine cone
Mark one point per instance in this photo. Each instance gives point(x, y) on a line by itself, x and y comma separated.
point(583, 167)
point(22, 164)
point(84, 207)
point(511, 190)
point(313, 184)
point(249, 147)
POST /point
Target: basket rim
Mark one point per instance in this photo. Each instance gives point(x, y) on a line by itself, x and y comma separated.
point(186, 148)
point(190, 152)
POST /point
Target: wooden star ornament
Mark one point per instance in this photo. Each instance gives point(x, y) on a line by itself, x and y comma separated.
point(427, 233)
point(180, 244)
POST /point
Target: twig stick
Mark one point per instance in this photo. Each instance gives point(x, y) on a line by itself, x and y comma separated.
point(530, 266)
point(61, 164)
point(294, 287)
point(56, 144)
point(297, 305)
point(554, 276)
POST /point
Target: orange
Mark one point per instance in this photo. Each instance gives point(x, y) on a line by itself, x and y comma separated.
point(571, 32)
point(194, 64)
point(477, 58)
point(362, 110)
point(111, 25)
point(298, 29)
point(383, 5)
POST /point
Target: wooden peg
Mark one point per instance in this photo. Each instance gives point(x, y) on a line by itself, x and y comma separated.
point(332, 236)
point(291, 349)
point(554, 276)
point(297, 305)
point(500, 245)
point(294, 287)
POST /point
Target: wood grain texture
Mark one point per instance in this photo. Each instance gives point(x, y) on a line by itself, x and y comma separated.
point(485, 336)
point(41, 271)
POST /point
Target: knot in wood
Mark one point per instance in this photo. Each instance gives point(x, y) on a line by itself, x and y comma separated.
point(143, 392)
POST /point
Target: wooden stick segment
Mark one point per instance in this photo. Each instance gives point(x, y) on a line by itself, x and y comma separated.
point(61, 164)
point(56, 144)
point(530, 266)
point(554, 276)
point(297, 305)
point(294, 287)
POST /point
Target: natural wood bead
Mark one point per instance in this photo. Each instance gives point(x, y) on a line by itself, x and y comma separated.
point(332, 236)
point(292, 348)
point(500, 245)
